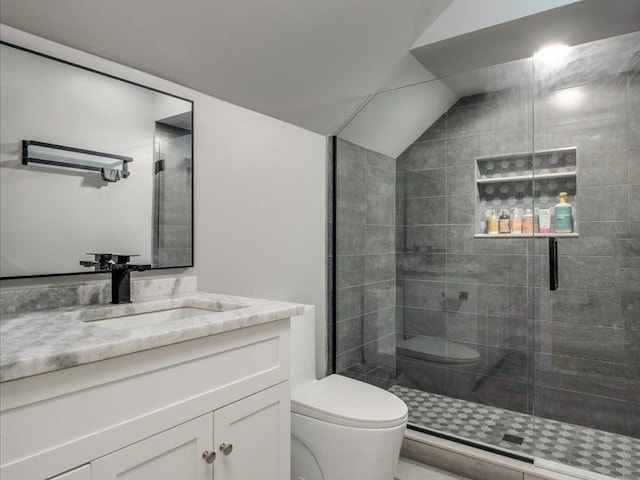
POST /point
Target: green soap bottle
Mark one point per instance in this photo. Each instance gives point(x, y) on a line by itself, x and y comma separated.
point(564, 220)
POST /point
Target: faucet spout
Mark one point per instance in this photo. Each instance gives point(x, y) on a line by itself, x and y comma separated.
point(120, 270)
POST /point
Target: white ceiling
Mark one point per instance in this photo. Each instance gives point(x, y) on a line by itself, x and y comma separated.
point(310, 63)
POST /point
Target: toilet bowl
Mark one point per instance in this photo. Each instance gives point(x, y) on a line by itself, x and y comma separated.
point(341, 429)
point(421, 363)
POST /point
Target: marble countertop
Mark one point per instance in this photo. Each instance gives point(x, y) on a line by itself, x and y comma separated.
point(45, 341)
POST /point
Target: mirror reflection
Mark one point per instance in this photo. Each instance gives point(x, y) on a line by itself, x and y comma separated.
point(90, 163)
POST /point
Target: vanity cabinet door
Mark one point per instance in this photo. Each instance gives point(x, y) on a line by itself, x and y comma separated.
point(252, 437)
point(175, 454)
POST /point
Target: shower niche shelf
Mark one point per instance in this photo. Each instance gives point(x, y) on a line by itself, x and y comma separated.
point(525, 180)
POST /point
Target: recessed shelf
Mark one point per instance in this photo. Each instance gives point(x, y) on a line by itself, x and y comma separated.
point(525, 181)
point(528, 178)
point(528, 235)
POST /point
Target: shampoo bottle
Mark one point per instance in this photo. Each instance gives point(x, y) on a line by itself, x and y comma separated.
point(516, 221)
point(505, 221)
point(493, 223)
point(527, 222)
point(563, 220)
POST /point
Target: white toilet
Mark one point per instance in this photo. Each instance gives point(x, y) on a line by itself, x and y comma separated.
point(341, 429)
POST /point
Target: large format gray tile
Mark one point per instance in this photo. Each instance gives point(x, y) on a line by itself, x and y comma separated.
point(350, 333)
point(423, 294)
point(607, 308)
point(350, 270)
point(350, 239)
point(349, 302)
point(350, 175)
point(489, 269)
point(599, 61)
point(498, 113)
point(460, 239)
point(580, 272)
point(380, 181)
point(379, 324)
point(379, 267)
point(603, 168)
point(633, 157)
point(351, 208)
point(603, 203)
point(423, 322)
point(380, 239)
point(590, 376)
point(603, 343)
point(460, 210)
point(491, 330)
point(634, 202)
point(461, 180)
point(589, 134)
point(506, 301)
point(350, 359)
point(378, 296)
point(420, 156)
point(464, 150)
point(422, 239)
point(605, 100)
point(581, 409)
point(425, 211)
point(379, 352)
point(421, 266)
point(375, 159)
point(380, 210)
point(425, 183)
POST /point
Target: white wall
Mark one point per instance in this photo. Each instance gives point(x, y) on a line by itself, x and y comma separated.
point(260, 196)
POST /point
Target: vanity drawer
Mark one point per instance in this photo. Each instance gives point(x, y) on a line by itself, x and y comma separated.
point(53, 422)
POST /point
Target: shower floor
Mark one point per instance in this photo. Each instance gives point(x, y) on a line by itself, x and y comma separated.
point(586, 448)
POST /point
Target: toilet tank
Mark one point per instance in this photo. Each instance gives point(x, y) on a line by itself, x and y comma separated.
point(303, 346)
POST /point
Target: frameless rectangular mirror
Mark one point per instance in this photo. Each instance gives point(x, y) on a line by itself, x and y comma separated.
point(90, 163)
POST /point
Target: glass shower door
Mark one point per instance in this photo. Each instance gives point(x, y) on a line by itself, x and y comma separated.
point(587, 331)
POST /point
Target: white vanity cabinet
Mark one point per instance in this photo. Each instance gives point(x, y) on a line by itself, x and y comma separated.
point(158, 413)
point(243, 440)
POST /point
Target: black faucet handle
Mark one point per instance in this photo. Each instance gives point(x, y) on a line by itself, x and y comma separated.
point(139, 268)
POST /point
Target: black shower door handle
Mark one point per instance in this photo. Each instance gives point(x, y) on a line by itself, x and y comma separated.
point(553, 263)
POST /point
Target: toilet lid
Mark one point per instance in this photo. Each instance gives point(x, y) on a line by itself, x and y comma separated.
point(344, 401)
point(437, 350)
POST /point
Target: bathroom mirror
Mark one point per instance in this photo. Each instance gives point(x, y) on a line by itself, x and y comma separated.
point(90, 163)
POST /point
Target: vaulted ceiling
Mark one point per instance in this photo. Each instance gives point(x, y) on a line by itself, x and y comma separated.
point(316, 63)
point(310, 63)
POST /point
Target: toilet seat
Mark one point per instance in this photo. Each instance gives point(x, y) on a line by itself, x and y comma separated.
point(343, 401)
point(437, 350)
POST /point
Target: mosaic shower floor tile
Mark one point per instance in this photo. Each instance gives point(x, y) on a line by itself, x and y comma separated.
point(594, 450)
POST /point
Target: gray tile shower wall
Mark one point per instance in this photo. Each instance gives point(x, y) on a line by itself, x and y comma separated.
point(365, 276)
point(586, 333)
point(575, 351)
point(451, 286)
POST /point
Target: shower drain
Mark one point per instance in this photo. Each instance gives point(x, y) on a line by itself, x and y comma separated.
point(513, 439)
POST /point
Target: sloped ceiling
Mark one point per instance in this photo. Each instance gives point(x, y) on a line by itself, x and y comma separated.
point(310, 63)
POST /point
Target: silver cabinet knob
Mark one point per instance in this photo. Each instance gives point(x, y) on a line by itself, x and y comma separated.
point(226, 448)
point(208, 456)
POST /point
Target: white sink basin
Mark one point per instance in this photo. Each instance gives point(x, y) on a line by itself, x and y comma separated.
point(152, 318)
point(154, 313)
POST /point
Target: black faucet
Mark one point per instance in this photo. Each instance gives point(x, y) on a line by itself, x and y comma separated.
point(120, 270)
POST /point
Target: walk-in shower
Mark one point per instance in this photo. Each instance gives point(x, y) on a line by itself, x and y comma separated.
point(468, 326)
